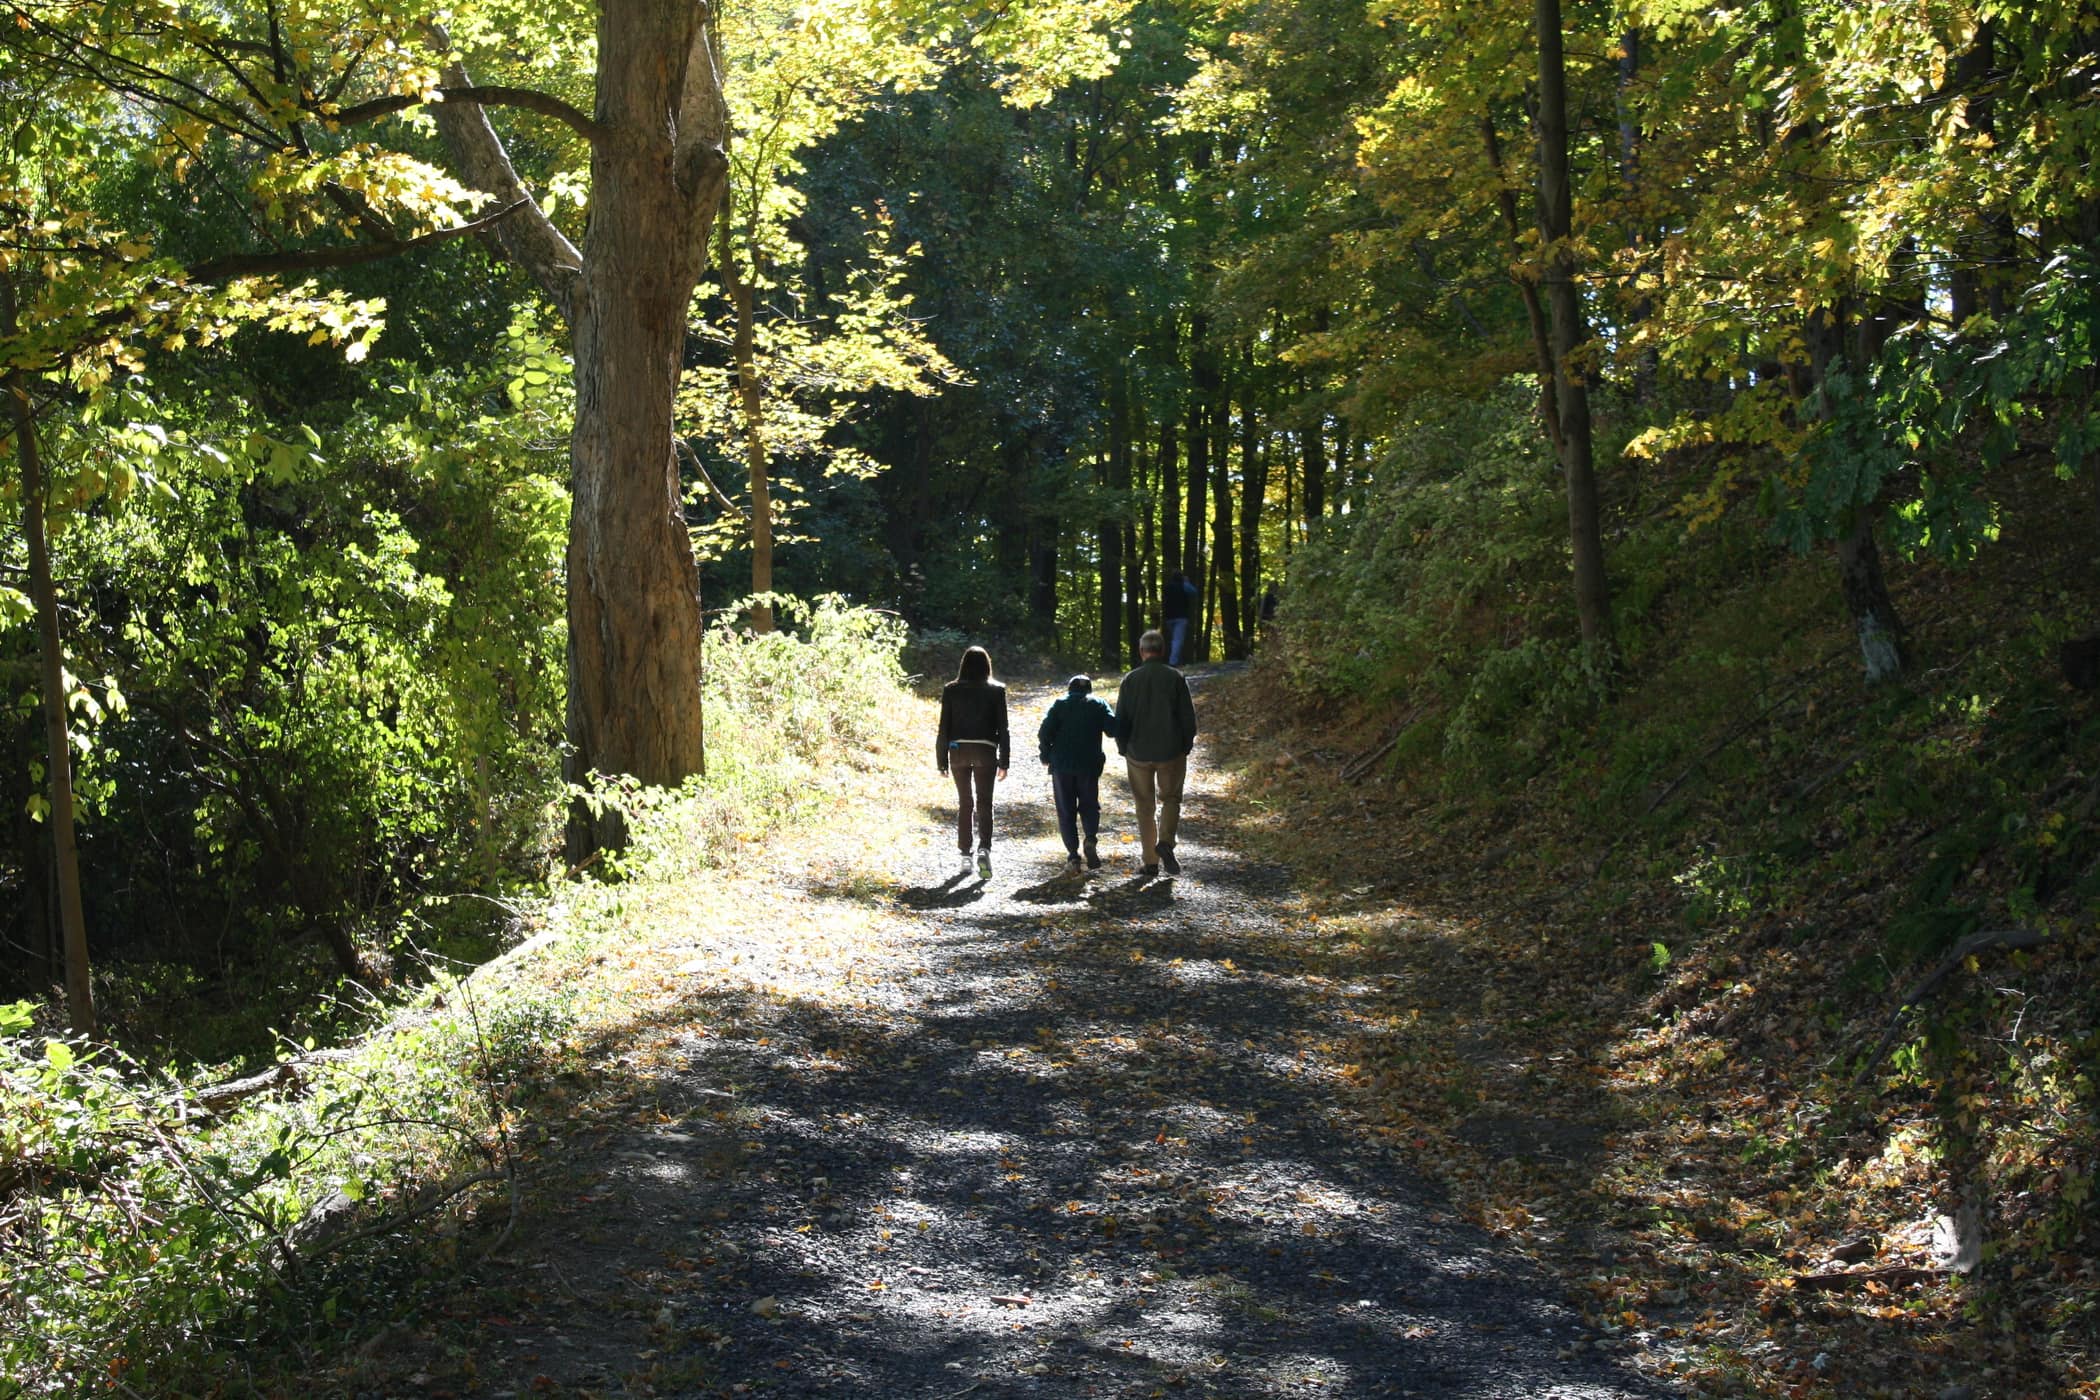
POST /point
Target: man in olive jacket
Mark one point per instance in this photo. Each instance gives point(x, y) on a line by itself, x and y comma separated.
point(1155, 729)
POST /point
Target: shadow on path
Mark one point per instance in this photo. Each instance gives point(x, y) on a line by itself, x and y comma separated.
point(1080, 1140)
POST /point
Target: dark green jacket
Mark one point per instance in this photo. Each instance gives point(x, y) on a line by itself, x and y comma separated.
point(1155, 715)
point(1071, 735)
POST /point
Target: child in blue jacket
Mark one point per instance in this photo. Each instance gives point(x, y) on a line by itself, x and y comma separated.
point(1070, 738)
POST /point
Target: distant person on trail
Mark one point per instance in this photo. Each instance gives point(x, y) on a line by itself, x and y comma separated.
point(1155, 729)
point(1175, 610)
point(1070, 738)
point(972, 743)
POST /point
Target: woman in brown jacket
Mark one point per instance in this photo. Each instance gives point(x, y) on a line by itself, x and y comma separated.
point(972, 744)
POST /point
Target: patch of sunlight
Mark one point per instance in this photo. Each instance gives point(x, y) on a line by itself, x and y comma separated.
point(1296, 1067)
point(1280, 1191)
point(1307, 1369)
point(933, 1142)
point(668, 1170)
point(1193, 972)
point(1467, 1263)
point(1024, 1060)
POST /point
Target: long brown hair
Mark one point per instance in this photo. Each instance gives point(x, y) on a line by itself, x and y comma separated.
point(976, 666)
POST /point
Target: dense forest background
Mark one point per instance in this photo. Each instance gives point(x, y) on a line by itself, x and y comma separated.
point(1657, 420)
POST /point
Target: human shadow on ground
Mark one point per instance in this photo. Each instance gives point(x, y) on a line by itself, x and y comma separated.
point(954, 892)
point(1081, 1158)
point(1061, 1149)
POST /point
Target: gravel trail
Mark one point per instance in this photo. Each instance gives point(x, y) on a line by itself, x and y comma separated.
point(1067, 1138)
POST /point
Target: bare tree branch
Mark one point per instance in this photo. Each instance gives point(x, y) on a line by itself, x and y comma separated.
point(527, 99)
point(709, 482)
point(318, 259)
point(481, 161)
point(73, 54)
point(2014, 938)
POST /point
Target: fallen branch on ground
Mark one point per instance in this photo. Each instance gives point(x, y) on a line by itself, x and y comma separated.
point(1800, 679)
point(426, 1201)
point(1359, 767)
point(2013, 938)
point(1845, 1278)
point(215, 1099)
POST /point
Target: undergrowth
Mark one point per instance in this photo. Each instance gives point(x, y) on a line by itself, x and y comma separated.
point(150, 1227)
point(1698, 878)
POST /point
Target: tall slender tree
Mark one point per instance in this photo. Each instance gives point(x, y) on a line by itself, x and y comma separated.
point(1569, 332)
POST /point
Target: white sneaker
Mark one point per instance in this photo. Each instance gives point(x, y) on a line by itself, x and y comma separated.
point(984, 864)
point(967, 865)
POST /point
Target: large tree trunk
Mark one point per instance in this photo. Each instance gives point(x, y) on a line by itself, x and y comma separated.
point(1203, 375)
point(1254, 486)
point(1169, 506)
point(658, 173)
point(1225, 595)
point(751, 403)
point(1564, 304)
point(1882, 638)
point(1110, 533)
point(1042, 574)
point(1527, 289)
point(43, 595)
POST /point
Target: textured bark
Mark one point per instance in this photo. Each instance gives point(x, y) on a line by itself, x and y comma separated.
point(1882, 646)
point(1169, 504)
point(43, 594)
point(1225, 593)
point(1203, 374)
point(658, 173)
point(1254, 486)
point(752, 403)
point(1564, 306)
point(1042, 575)
point(1882, 641)
point(1109, 534)
point(1527, 289)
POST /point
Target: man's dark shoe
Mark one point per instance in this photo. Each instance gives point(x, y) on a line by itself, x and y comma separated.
point(1072, 861)
point(1166, 858)
point(1148, 871)
point(1093, 855)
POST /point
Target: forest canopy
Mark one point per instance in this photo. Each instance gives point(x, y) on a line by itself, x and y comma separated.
point(360, 355)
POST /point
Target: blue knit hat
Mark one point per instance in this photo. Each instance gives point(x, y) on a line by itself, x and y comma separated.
point(1080, 685)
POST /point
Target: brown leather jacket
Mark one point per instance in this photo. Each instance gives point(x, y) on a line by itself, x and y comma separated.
point(972, 710)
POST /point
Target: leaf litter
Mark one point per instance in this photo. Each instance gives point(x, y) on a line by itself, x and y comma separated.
point(846, 1122)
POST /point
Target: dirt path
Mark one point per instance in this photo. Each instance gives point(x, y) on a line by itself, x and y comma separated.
point(1064, 1136)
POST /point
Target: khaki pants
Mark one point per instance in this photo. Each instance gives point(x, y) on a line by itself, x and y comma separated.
point(1158, 783)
